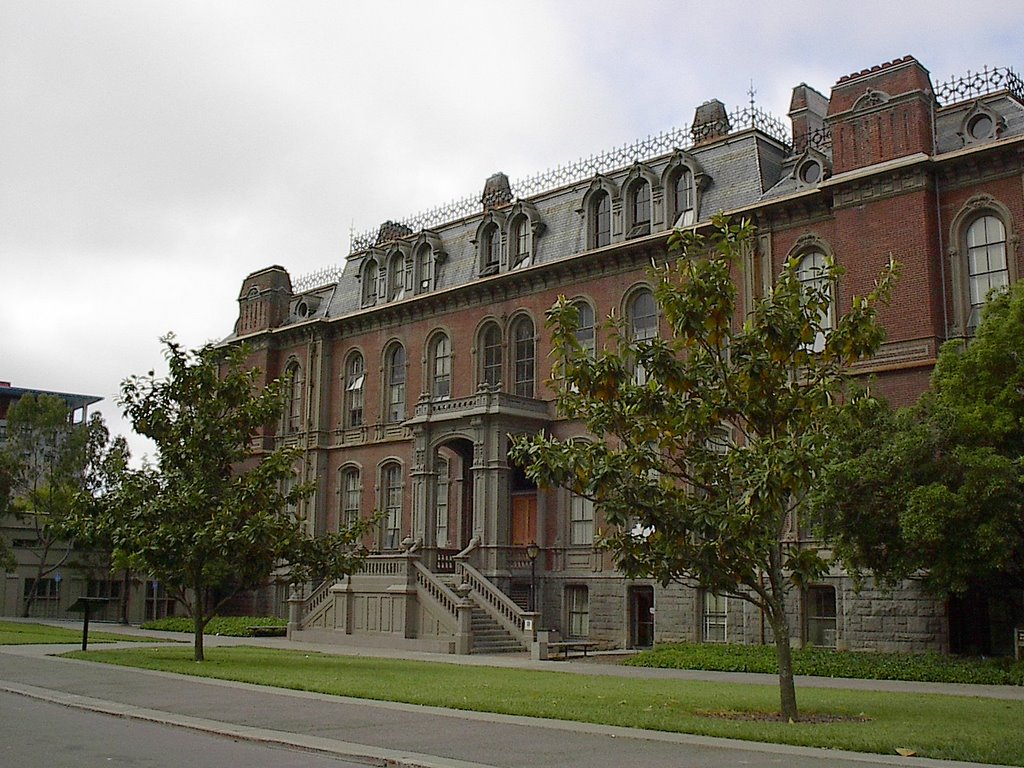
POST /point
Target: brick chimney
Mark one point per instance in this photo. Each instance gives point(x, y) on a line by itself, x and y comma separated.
point(263, 300)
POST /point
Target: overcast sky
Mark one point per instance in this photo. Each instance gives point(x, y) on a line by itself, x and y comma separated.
point(152, 154)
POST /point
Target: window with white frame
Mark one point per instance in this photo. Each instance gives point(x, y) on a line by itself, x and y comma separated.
point(424, 264)
point(296, 384)
point(643, 324)
point(577, 602)
point(585, 332)
point(716, 617)
point(812, 272)
point(396, 277)
point(355, 378)
point(581, 520)
point(986, 264)
point(490, 250)
point(351, 496)
point(370, 277)
point(523, 357)
point(391, 487)
point(683, 197)
point(442, 488)
point(601, 219)
point(490, 355)
point(521, 243)
point(395, 371)
point(440, 367)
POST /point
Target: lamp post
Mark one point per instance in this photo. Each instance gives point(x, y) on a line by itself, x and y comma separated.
point(532, 551)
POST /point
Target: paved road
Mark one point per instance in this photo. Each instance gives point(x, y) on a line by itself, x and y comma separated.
point(404, 734)
point(41, 734)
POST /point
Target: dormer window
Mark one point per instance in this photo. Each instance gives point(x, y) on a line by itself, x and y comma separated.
point(423, 268)
point(490, 250)
point(641, 206)
point(369, 279)
point(601, 219)
point(683, 197)
point(396, 277)
point(521, 243)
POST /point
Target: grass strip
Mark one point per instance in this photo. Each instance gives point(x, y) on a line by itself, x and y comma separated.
point(19, 633)
point(946, 727)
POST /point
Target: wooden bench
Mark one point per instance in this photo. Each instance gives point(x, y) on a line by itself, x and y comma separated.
point(573, 645)
point(265, 631)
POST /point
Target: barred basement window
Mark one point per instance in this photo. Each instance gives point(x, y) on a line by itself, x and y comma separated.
point(577, 601)
point(821, 616)
point(715, 618)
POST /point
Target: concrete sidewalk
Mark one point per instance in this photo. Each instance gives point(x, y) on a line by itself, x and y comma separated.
point(407, 735)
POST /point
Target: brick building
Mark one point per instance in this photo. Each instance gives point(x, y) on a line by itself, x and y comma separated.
point(414, 360)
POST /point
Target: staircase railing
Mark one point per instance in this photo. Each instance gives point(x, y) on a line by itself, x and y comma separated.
point(495, 602)
point(437, 592)
point(317, 602)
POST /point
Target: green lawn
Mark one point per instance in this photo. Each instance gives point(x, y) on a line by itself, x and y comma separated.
point(956, 728)
point(17, 633)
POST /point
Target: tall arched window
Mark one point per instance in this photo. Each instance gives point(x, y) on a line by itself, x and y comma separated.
point(490, 250)
point(440, 358)
point(521, 243)
point(355, 378)
point(424, 264)
point(640, 207)
point(295, 401)
point(369, 278)
point(812, 272)
point(395, 373)
point(601, 219)
point(523, 355)
point(351, 496)
point(986, 264)
point(391, 493)
point(585, 327)
point(643, 324)
point(490, 355)
point(396, 277)
point(683, 198)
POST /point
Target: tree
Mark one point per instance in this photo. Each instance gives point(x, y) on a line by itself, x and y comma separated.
point(8, 471)
point(935, 491)
point(215, 515)
point(712, 448)
point(48, 462)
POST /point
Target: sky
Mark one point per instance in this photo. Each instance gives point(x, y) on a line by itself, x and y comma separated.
point(152, 154)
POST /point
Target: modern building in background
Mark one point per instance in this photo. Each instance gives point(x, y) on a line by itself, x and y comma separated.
point(67, 572)
point(415, 361)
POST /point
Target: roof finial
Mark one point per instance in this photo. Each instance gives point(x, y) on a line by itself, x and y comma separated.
point(751, 92)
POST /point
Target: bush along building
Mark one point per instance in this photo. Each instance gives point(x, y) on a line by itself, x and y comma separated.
point(414, 362)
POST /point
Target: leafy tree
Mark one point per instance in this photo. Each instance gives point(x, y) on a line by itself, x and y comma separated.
point(48, 462)
point(8, 470)
point(935, 491)
point(215, 515)
point(706, 457)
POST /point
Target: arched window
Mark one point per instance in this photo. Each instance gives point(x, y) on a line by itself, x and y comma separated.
point(601, 219)
point(396, 277)
point(441, 506)
point(986, 264)
point(523, 355)
point(424, 264)
point(355, 378)
point(490, 250)
point(585, 327)
point(440, 358)
point(395, 373)
point(490, 355)
point(295, 390)
point(812, 272)
point(642, 314)
point(640, 207)
point(391, 500)
point(521, 243)
point(370, 277)
point(683, 198)
point(351, 490)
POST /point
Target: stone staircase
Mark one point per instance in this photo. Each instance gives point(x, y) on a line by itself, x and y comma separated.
point(490, 637)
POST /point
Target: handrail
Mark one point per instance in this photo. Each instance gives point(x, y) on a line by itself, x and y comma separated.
point(495, 602)
point(312, 605)
point(442, 596)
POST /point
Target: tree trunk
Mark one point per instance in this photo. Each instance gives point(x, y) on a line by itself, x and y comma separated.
point(787, 689)
point(199, 624)
point(30, 598)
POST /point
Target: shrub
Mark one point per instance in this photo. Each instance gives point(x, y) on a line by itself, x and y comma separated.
point(225, 626)
point(820, 662)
